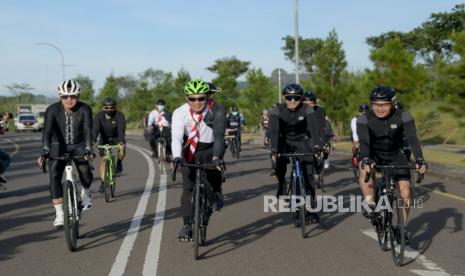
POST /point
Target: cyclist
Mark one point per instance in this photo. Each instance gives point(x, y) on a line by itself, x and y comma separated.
point(198, 136)
point(5, 159)
point(110, 125)
point(294, 128)
point(233, 125)
point(264, 121)
point(405, 147)
point(325, 134)
point(145, 122)
point(68, 129)
point(159, 125)
point(380, 132)
point(362, 109)
point(213, 89)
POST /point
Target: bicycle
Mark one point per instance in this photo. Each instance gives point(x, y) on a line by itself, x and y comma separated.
point(233, 143)
point(390, 225)
point(202, 200)
point(296, 190)
point(72, 206)
point(109, 173)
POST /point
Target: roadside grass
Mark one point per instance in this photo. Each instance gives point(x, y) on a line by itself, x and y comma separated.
point(442, 157)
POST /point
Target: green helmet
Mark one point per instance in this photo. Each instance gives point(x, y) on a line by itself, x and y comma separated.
point(196, 87)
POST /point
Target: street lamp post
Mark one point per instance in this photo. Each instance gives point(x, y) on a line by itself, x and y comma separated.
point(296, 39)
point(61, 55)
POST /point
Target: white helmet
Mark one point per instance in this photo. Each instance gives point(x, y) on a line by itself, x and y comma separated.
point(69, 88)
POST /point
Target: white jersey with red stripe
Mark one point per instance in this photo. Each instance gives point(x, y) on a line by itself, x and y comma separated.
point(155, 119)
point(182, 125)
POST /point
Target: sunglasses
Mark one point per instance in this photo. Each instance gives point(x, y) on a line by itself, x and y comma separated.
point(199, 99)
point(67, 97)
point(293, 97)
point(109, 108)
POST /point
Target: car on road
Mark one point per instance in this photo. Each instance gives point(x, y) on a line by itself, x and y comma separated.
point(26, 122)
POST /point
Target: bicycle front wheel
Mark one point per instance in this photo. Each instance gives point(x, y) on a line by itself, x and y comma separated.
point(302, 210)
point(113, 180)
point(382, 220)
point(397, 229)
point(196, 231)
point(71, 222)
point(106, 182)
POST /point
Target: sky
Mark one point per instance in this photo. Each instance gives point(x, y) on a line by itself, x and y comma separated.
point(124, 37)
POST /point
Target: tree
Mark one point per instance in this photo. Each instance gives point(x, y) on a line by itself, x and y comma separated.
point(126, 86)
point(19, 88)
point(152, 77)
point(182, 78)
point(308, 49)
point(87, 90)
point(141, 102)
point(395, 67)
point(110, 89)
point(228, 70)
point(257, 95)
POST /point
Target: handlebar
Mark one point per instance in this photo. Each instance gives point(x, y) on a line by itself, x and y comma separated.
point(295, 154)
point(197, 166)
point(420, 176)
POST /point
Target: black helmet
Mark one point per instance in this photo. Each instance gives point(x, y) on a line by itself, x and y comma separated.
point(109, 101)
point(383, 93)
point(213, 88)
point(398, 105)
point(311, 96)
point(363, 108)
point(160, 102)
point(293, 88)
point(234, 108)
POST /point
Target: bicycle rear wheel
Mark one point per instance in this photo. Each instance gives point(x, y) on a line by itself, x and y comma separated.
point(71, 224)
point(302, 210)
point(106, 181)
point(196, 231)
point(397, 229)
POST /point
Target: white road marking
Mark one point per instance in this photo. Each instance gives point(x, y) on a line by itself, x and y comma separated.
point(432, 269)
point(121, 260)
point(153, 250)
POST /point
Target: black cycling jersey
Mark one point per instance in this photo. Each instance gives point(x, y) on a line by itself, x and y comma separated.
point(67, 128)
point(320, 114)
point(233, 121)
point(109, 128)
point(383, 138)
point(293, 125)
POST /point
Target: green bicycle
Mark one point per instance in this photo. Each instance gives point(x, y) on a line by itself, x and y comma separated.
point(109, 173)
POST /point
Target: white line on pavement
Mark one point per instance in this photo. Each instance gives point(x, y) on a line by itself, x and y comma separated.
point(153, 250)
point(431, 269)
point(121, 260)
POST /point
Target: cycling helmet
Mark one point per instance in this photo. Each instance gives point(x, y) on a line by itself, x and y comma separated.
point(383, 93)
point(363, 108)
point(213, 88)
point(311, 96)
point(293, 88)
point(160, 102)
point(69, 88)
point(234, 108)
point(196, 87)
point(109, 101)
point(398, 105)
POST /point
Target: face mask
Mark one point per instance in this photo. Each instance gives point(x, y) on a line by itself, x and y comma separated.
point(234, 113)
point(109, 114)
point(160, 107)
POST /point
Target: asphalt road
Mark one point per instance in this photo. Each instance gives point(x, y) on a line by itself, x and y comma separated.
point(137, 232)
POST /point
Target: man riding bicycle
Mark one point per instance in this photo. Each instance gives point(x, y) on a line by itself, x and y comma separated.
point(159, 126)
point(198, 136)
point(380, 132)
point(294, 128)
point(264, 122)
point(233, 125)
point(362, 109)
point(68, 130)
point(110, 125)
point(5, 159)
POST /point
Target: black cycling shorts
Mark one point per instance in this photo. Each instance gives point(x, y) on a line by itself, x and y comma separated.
point(398, 159)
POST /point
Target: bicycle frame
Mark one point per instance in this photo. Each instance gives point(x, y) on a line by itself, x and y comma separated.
point(70, 177)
